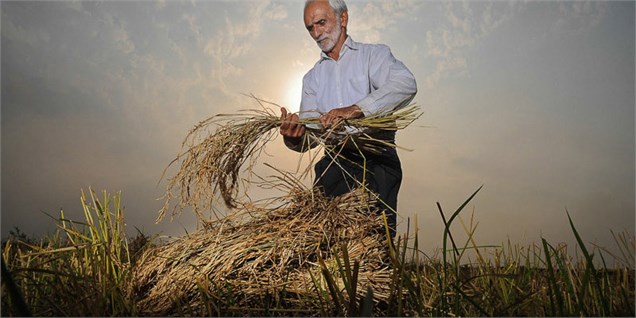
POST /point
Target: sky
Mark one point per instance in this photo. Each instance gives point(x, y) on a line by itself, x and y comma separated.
point(532, 100)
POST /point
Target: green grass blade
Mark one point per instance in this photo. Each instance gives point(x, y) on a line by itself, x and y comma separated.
point(553, 289)
point(366, 306)
point(336, 295)
point(590, 262)
point(566, 278)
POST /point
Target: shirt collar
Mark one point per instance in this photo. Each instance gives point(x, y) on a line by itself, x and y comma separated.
point(349, 44)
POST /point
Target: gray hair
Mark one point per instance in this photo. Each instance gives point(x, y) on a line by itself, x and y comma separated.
point(339, 6)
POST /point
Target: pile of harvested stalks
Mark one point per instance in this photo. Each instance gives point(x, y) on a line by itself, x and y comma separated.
point(259, 255)
point(266, 255)
point(214, 152)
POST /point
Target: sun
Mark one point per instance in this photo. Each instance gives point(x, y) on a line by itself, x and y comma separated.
point(291, 99)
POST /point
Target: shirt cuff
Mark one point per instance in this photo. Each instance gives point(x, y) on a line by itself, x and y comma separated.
point(366, 105)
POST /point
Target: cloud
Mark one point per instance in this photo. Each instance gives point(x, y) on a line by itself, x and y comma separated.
point(131, 66)
point(121, 38)
point(161, 4)
point(102, 93)
point(22, 34)
point(236, 40)
point(580, 16)
point(371, 20)
point(85, 99)
point(465, 25)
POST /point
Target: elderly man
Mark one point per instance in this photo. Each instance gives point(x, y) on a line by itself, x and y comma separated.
point(350, 80)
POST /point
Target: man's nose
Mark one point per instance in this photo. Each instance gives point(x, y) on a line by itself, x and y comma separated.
point(315, 32)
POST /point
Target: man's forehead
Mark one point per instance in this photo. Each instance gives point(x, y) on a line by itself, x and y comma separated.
point(317, 10)
point(317, 3)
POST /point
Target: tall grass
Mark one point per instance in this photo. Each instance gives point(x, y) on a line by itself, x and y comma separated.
point(501, 281)
point(80, 270)
point(83, 269)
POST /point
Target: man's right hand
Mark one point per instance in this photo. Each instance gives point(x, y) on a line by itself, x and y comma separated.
point(290, 127)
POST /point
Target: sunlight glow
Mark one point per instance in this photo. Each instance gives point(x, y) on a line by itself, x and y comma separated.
point(291, 99)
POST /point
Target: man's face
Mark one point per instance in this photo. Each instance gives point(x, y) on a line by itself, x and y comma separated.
point(324, 26)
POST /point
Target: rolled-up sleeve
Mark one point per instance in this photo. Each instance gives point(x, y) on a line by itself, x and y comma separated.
point(393, 85)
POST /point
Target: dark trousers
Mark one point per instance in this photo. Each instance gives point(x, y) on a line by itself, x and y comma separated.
point(383, 176)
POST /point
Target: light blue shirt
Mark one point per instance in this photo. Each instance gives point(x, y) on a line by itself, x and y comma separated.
point(367, 75)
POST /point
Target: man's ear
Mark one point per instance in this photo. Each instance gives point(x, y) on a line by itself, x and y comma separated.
point(344, 18)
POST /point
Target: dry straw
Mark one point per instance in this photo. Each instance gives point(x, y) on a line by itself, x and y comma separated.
point(215, 151)
point(282, 252)
point(265, 251)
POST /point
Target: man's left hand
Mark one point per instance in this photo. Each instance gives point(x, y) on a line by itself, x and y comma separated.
point(335, 117)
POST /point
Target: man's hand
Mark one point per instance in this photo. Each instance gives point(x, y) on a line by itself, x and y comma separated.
point(336, 116)
point(290, 127)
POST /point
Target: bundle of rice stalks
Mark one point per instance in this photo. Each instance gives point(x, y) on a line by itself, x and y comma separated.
point(214, 152)
point(266, 256)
